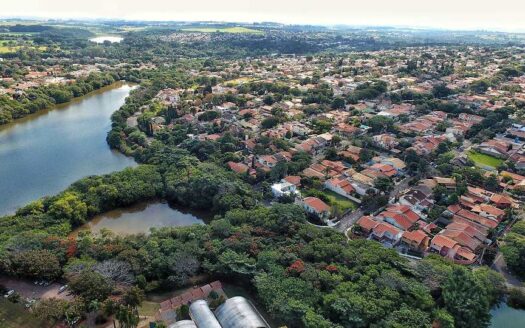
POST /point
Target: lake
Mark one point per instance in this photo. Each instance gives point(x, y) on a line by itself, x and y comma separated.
point(102, 39)
point(140, 217)
point(43, 153)
point(506, 317)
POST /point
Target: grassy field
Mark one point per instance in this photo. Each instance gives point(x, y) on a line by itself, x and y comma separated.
point(237, 29)
point(341, 202)
point(238, 81)
point(484, 160)
point(149, 309)
point(15, 316)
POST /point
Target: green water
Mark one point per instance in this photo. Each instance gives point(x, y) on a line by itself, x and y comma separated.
point(506, 317)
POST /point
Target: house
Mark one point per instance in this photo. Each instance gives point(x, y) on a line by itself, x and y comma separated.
point(315, 206)
point(238, 167)
point(386, 233)
point(340, 186)
point(267, 160)
point(448, 183)
point(400, 216)
point(418, 198)
point(367, 224)
point(284, 189)
point(448, 247)
point(501, 201)
point(416, 239)
point(385, 141)
point(293, 179)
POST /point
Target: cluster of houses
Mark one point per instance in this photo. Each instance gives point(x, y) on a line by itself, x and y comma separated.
point(460, 234)
point(288, 123)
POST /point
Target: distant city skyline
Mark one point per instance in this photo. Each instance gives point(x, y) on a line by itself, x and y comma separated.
point(502, 15)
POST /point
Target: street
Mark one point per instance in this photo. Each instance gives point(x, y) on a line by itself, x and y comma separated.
point(350, 219)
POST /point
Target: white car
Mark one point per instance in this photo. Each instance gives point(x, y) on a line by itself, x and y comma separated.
point(62, 289)
point(9, 293)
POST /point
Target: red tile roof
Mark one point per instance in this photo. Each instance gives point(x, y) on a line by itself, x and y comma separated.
point(318, 205)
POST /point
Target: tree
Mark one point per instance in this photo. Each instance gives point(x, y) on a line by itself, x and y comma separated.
point(338, 103)
point(269, 122)
point(69, 206)
point(91, 286)
point(39, 263)
point(514, 249)
point(441, 91)
point(466, 299)
point(384, 184)
point(379, 124)
point(51, 309)
point(127, 316)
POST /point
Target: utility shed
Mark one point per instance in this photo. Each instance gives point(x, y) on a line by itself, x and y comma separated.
point(238, 312)
point(202, 316)
point(183, 324)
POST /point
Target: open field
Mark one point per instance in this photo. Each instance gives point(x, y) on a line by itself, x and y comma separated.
point(236, 29)
point(149, 309)
point(342, 203)
point(7, 49)
point(482, 159)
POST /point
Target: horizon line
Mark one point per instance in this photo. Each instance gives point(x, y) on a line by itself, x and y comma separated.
point(252, 22)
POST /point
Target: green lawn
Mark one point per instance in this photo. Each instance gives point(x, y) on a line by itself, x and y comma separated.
point(341, 202)
point(482, 159)
point(149, 309)
point(15, 316)
point(237, 29)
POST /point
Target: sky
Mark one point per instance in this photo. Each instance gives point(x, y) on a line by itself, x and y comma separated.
point(503, 15)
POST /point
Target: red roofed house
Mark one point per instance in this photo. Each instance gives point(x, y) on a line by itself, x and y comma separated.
point(416, 239)
point(385, 232)
point(317, 207)
point(340, 186)
point(501, 201)
point(367, 223)
point(400, 216)
point(238, 167)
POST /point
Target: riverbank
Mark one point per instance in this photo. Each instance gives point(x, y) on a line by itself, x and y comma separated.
point(48, 97)
point(76, 100)
point(43, 153)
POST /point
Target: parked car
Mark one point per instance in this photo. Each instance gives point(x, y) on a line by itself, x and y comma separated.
point(9, 293)
point(62, 289)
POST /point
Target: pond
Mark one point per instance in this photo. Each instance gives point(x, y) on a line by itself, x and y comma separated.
point(102, 39)
point(140, 218)
point(43, 153)
point(506, 317)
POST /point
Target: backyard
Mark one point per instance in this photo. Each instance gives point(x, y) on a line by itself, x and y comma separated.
point(484, 160)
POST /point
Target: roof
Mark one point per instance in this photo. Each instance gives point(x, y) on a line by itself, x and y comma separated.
point(466, 253)
point(417, 236)
point(462, 238)
point(443, 241)
point(293, 179)
point(500, 199)
point(238, 312)
point(183, 324)
point(367, 223)
point(318, 205)
point(201, 314)
point(384, 227)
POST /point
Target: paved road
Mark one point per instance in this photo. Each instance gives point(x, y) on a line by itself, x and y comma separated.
point(350, 219)
point(500, 266)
